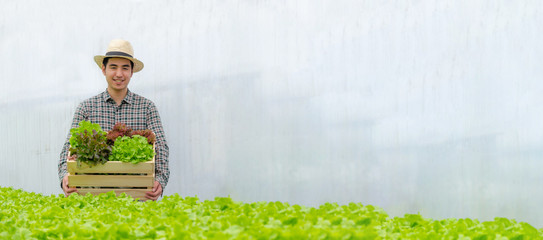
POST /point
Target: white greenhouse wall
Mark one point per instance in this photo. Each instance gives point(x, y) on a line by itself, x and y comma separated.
point(414, 106)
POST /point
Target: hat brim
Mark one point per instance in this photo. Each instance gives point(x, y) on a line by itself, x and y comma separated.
point(138, 65)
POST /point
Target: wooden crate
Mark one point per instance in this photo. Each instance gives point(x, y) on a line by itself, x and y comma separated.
point(87, 179)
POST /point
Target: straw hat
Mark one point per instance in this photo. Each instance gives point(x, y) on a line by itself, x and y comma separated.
point(121, 49)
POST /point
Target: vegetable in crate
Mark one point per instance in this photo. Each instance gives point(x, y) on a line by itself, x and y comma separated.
point(151, 138)
point(88, 143)
point(133, 149)
point(119, 130)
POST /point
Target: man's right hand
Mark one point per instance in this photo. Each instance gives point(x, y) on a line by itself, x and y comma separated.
point(67, 190)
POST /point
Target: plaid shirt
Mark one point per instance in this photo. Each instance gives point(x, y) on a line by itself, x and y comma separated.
point(136, 112)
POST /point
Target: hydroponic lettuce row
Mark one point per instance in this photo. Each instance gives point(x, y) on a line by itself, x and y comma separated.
point(27, 215)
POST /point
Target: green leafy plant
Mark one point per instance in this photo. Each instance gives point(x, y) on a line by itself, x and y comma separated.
point(121, 130)
point(88, 144)
point(27, 215)
point(147, 133)
point(84, 127)
point(133, 149)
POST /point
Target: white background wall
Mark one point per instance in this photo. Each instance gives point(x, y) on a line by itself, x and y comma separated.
point(414, 106)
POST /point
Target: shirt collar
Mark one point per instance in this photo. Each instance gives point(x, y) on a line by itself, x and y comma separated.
point(127, 99)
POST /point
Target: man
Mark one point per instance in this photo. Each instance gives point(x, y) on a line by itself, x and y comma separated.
point(118, 104)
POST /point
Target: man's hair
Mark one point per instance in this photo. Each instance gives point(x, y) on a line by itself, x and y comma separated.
point(104, 62)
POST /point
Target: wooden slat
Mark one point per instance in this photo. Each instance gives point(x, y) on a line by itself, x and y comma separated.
point(113, 167)
point(110, 181)
point(134, 193)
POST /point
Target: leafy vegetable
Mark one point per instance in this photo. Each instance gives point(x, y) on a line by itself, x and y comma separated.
point(119, 130)
point(27, 215)
point(133, 149)
point(147, 133)
point(84, 126)
point(88, 143)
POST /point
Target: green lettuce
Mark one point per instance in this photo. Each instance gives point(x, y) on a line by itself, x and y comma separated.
point(89, 144)
point(133, 149)
point(27, 215)
point(85, 127)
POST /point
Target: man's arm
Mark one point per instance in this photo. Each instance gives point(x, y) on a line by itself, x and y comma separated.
point(79, 116)
point(162, 170)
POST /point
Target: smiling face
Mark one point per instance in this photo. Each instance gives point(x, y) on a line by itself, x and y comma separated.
point(118, 72)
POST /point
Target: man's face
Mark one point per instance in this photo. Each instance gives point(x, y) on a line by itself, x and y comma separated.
point(118, 73)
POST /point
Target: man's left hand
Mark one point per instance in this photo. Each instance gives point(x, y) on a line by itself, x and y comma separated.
point(156, 192)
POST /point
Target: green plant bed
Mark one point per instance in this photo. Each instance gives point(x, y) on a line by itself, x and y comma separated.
point(27, 215)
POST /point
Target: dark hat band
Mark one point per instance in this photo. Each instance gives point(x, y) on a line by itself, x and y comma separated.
point(118, 54)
